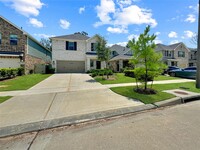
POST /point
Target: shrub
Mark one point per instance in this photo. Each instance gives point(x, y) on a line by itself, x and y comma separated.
point(20, 71)
point(8, 73)
point(100, 72)
point(129, 73)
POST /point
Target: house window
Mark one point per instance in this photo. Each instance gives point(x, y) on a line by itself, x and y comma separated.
point(91, 63)
point(71, 45)
point(181, 54)
point(0, 38)
point(93, 46)
point(13, 39)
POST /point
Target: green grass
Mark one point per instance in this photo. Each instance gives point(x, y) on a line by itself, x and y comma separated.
point(120, 78)
point(160, 96)
point(22, 82)
point(4, 98)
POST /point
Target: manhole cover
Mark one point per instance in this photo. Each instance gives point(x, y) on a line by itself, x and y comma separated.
point(180, 92)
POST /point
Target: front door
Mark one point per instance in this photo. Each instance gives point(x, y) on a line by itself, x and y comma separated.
point(98, 65)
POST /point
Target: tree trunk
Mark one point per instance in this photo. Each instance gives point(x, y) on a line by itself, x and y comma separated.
point(146, 75)
point(198, 54)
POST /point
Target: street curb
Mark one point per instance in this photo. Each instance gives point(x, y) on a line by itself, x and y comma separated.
point(65, 121)
point(169, 102)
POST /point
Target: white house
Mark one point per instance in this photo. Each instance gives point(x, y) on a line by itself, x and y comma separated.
point(74, 53)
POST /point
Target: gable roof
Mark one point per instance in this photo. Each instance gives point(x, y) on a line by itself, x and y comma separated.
point(119, 49)
point(75, 36)
point(160, 47)
point(25, 33)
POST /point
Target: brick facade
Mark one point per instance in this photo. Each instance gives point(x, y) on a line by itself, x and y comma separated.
point(21, 50)
point(31, 62)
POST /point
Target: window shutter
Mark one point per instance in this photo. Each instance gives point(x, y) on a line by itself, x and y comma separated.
point(75, 45)
point(67, 45)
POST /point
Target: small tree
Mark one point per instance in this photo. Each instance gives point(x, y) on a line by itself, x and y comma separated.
point(103, 52)
point(46, 43)
point(147, 62)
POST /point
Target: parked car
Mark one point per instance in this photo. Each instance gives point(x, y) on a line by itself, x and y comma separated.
point(189, 72)
point(170, 68)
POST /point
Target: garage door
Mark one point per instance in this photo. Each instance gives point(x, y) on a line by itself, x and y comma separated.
point(70, 66)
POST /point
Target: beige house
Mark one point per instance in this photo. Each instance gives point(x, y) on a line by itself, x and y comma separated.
point(120, 57)
point(175, 55)
point(74, 53)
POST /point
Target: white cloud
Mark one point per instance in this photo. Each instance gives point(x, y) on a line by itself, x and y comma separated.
point(188, 34)
point(134, 15)
point(103, 11)
point(64, 24)
point(194, 8)
point(25, 7)
point(174, 42)
point(158, 41)
point(41, 35)
point(172, 34)
point(34, 22)
point(130, 37)
point(81, 10)
point(109, 13)
point(117, 30)
point(157, 33)
point(190, 18)
point(119, 43)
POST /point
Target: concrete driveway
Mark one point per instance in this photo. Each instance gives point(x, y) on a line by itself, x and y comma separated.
point(61, 95)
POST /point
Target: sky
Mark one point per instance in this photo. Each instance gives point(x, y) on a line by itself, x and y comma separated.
point(117, 20)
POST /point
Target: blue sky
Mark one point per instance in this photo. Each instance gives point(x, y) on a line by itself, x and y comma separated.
point(117, 20)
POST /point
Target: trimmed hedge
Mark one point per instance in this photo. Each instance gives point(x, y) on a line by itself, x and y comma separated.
point(129, 73)
point(10, 72)
point(100, 72)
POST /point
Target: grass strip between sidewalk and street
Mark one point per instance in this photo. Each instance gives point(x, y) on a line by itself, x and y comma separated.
point(160, 96)
point(4, 98)
point(22, 82)
point(121, 78)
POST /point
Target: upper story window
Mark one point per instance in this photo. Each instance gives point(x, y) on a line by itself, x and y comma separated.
point(13, 39)
point(93, 46)
point(168, 53)
point(181, 54)
point(0, 38)
point(71, 45)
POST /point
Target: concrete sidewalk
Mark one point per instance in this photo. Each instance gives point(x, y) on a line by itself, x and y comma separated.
point(155, 82)
point(34, 109)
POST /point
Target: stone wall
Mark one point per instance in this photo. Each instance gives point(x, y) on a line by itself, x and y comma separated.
point(30, 63)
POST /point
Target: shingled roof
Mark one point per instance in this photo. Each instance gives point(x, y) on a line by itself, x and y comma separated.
point(167, 47)
point(75, 36)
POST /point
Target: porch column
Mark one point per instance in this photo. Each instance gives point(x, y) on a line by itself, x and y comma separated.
point(87, 64)
point(120, 64)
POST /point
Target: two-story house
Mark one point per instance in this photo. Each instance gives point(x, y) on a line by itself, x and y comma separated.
point(19, 49)
point(193, 57)
point(175, 55)
point(75, 53)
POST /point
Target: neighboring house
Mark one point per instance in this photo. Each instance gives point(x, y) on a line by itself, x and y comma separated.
point(193, 57)
point(75, 53)
point(175, 55)
point(19, 49)
point(120, 57)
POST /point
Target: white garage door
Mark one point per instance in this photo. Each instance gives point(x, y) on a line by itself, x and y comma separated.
point(70, 66)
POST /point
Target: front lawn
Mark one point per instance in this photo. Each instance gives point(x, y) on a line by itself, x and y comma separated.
point(160, 96)
point(22, 82)
point(120, 78)
point(4, 98)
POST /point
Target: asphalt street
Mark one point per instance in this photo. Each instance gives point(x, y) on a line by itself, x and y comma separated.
point(169, 128)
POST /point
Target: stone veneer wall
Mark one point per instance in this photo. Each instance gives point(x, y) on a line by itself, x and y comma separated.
point(6, 29)
point(30, 63)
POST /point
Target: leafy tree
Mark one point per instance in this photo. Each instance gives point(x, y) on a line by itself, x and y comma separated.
point(148, 63)
point(103, 52)
point(46, 43)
